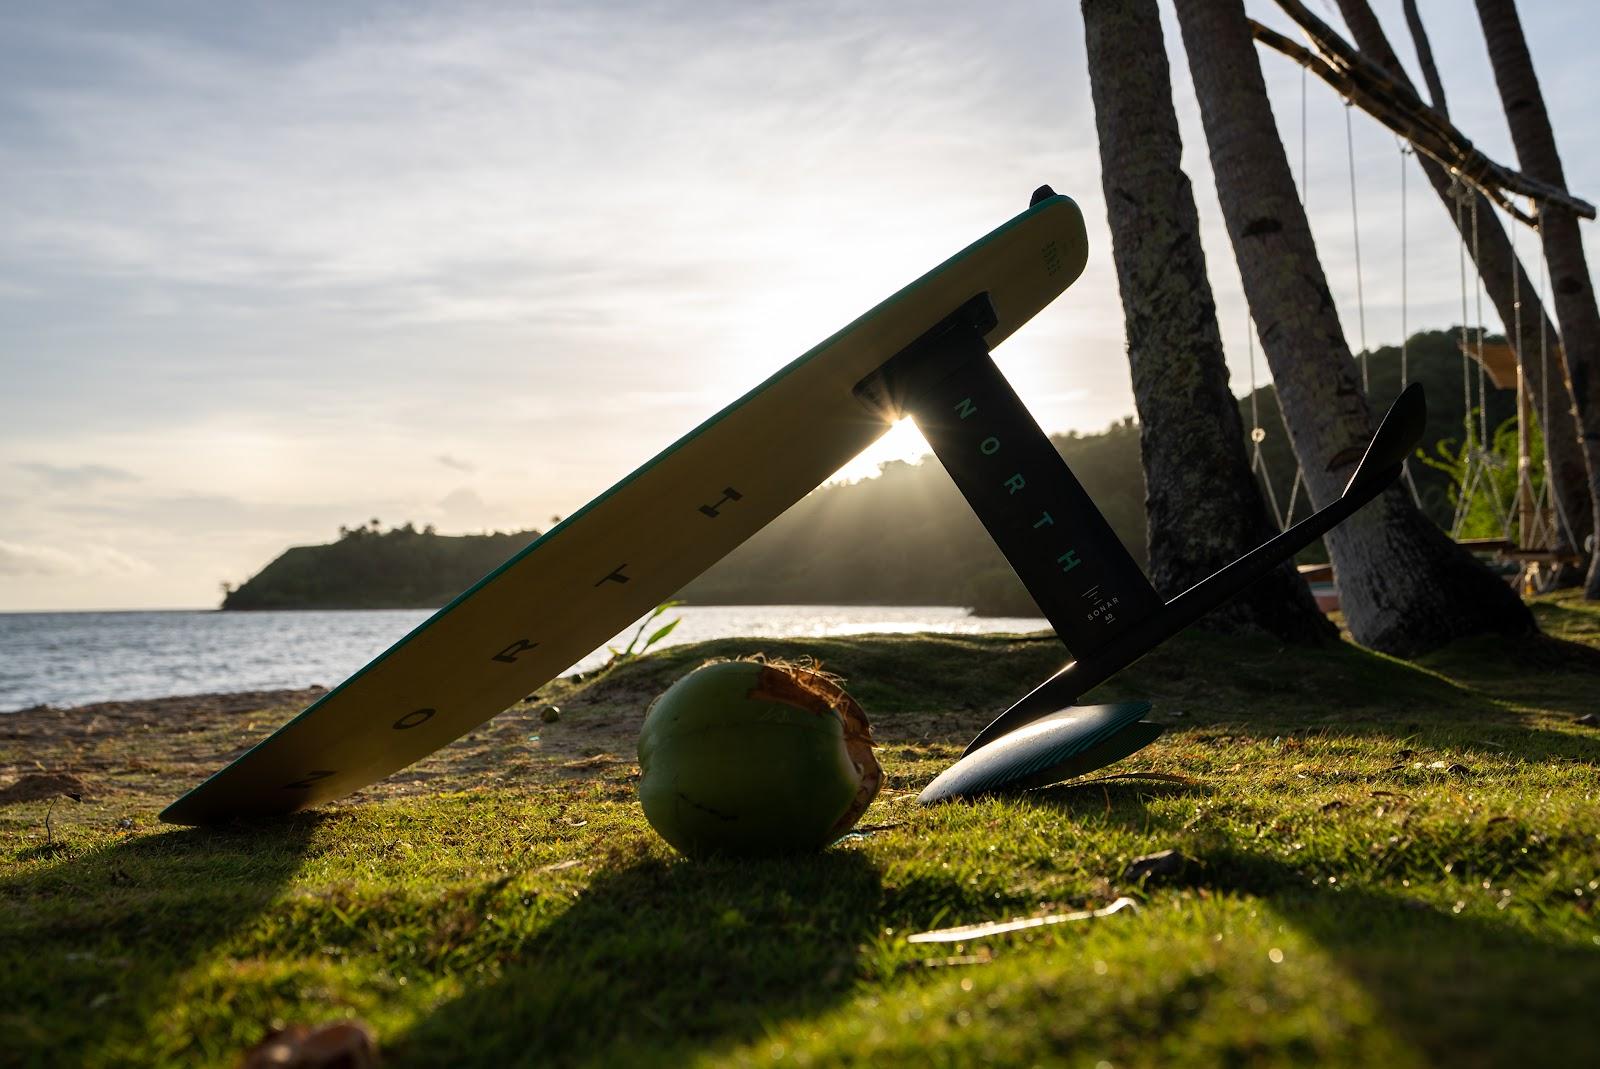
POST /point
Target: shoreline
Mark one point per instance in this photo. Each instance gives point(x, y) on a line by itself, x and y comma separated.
point(168, 704)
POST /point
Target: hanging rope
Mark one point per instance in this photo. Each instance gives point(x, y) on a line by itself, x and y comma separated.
point(1305, 189)
point(1460, 516)
point(1258, 433)
point(1405, 307)
point(1534, 529)
point(1294, 496)
point(1485, 442)
point(1287, 519)
point(1504, 511)
point(1530, 533)
point(1541, 529)
point(1405, 284)
point(1544, 414)
point(1355, 227)
point(1469, 451)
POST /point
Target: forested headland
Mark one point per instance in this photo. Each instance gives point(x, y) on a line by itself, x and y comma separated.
point(370, 568)
point(903, 538)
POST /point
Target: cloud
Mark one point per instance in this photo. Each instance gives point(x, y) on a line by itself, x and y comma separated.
point(78, 476)
point(17, 559)
point(204, 515)
point(463, 502)
point(390, 162)
point(454, 464)
point(465, 510)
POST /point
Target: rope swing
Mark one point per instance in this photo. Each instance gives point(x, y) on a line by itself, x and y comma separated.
point(1535, 530)
point(1532, 523)
point(1284, 517)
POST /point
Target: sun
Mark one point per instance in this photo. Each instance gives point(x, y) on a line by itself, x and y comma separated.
point(902, 441)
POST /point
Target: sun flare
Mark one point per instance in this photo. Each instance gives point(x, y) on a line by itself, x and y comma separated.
point(902, 441)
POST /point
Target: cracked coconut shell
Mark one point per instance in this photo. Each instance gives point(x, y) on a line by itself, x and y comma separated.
point(746, 757)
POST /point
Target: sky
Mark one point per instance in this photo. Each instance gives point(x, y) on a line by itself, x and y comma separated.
point(270, 268)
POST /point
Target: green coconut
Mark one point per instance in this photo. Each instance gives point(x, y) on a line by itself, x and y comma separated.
point(746, 757)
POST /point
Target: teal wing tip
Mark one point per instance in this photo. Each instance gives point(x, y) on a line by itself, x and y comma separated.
point(1092, 737)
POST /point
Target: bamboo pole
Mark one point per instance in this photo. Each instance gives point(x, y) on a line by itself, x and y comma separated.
point(1397, 107)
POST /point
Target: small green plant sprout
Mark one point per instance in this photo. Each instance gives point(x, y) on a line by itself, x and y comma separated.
point(1483, 477)
point(638, 645)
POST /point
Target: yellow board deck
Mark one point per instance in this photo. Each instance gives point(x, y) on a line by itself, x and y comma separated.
point(632, 547)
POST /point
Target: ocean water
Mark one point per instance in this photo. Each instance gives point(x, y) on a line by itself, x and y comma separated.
point(72, 658)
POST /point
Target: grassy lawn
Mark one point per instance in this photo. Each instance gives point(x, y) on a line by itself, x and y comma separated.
point(1390, 863)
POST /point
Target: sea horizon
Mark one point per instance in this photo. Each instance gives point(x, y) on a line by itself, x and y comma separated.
point(68, 658)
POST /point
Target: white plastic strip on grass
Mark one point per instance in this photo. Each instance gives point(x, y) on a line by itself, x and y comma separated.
point(979, 931)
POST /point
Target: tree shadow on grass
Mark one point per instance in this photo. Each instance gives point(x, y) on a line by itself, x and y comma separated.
point(662, 960)
point(1554, 674)
point(1264, 686)
point(1463, 989)
point(94, 942)
point(1565, 617)
point(1473, 691)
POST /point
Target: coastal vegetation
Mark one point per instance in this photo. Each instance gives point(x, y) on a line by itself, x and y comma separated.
point(370, 568)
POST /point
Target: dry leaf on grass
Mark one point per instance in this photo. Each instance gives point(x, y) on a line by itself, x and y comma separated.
point(346, 1045)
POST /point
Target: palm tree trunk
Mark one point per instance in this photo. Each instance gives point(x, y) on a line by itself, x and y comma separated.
point(1504, 280)
point(1563, 246)
point(1419, 41)
point(1202, 502)
point(1404, 586)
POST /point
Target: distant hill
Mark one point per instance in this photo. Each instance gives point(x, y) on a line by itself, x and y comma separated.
point(401, 568)
point(904, 538)
point(909, 538)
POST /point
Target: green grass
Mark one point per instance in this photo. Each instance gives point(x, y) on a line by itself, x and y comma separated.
point(1392, 863)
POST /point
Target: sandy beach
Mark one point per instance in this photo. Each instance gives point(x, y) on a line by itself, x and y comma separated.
point(128, 759)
